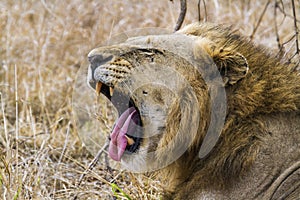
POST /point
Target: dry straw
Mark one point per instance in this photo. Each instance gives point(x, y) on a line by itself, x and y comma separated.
point(43, 44)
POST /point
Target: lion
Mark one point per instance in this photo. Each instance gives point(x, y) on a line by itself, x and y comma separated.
point(165, 88)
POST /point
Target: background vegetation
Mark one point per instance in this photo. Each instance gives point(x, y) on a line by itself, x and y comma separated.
point(43, 44)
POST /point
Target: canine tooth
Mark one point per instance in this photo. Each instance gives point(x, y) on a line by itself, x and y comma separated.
point(130, 141)
point(98, 87)
point(111, 91)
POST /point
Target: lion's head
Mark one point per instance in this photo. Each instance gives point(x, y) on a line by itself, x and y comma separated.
point(168, 90)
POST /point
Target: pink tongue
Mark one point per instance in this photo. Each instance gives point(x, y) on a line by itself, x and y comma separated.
point(118, 140)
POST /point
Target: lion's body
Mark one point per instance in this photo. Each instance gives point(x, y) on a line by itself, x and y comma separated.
point(257, 155)
point(273, 172)
point(257, 143)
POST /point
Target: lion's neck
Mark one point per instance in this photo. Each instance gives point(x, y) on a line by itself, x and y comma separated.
point(178, 172)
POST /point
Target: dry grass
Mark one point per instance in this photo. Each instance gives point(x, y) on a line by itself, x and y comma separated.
point(44, 43)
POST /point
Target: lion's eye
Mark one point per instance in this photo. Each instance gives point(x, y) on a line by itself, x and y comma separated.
point(145, 93)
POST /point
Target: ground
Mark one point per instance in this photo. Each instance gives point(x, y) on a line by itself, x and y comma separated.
point(43, 46)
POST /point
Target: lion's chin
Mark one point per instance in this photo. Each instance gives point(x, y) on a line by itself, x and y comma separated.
point(140, 161)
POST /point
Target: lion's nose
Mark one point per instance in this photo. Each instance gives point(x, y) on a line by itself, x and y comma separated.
point(97, 60)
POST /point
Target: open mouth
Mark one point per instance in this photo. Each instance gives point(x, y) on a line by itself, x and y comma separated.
point(126, 134)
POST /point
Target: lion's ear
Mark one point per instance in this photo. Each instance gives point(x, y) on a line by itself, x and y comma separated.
point(232, 65)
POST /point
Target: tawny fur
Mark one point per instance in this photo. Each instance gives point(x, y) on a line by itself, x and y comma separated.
point(269, 87)
point(263, 104)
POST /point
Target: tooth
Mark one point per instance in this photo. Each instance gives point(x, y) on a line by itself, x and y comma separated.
point(130, 141)
point(98, 88)
point(111, 91)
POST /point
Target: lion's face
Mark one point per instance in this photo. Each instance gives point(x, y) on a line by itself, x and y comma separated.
point(163, 100)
